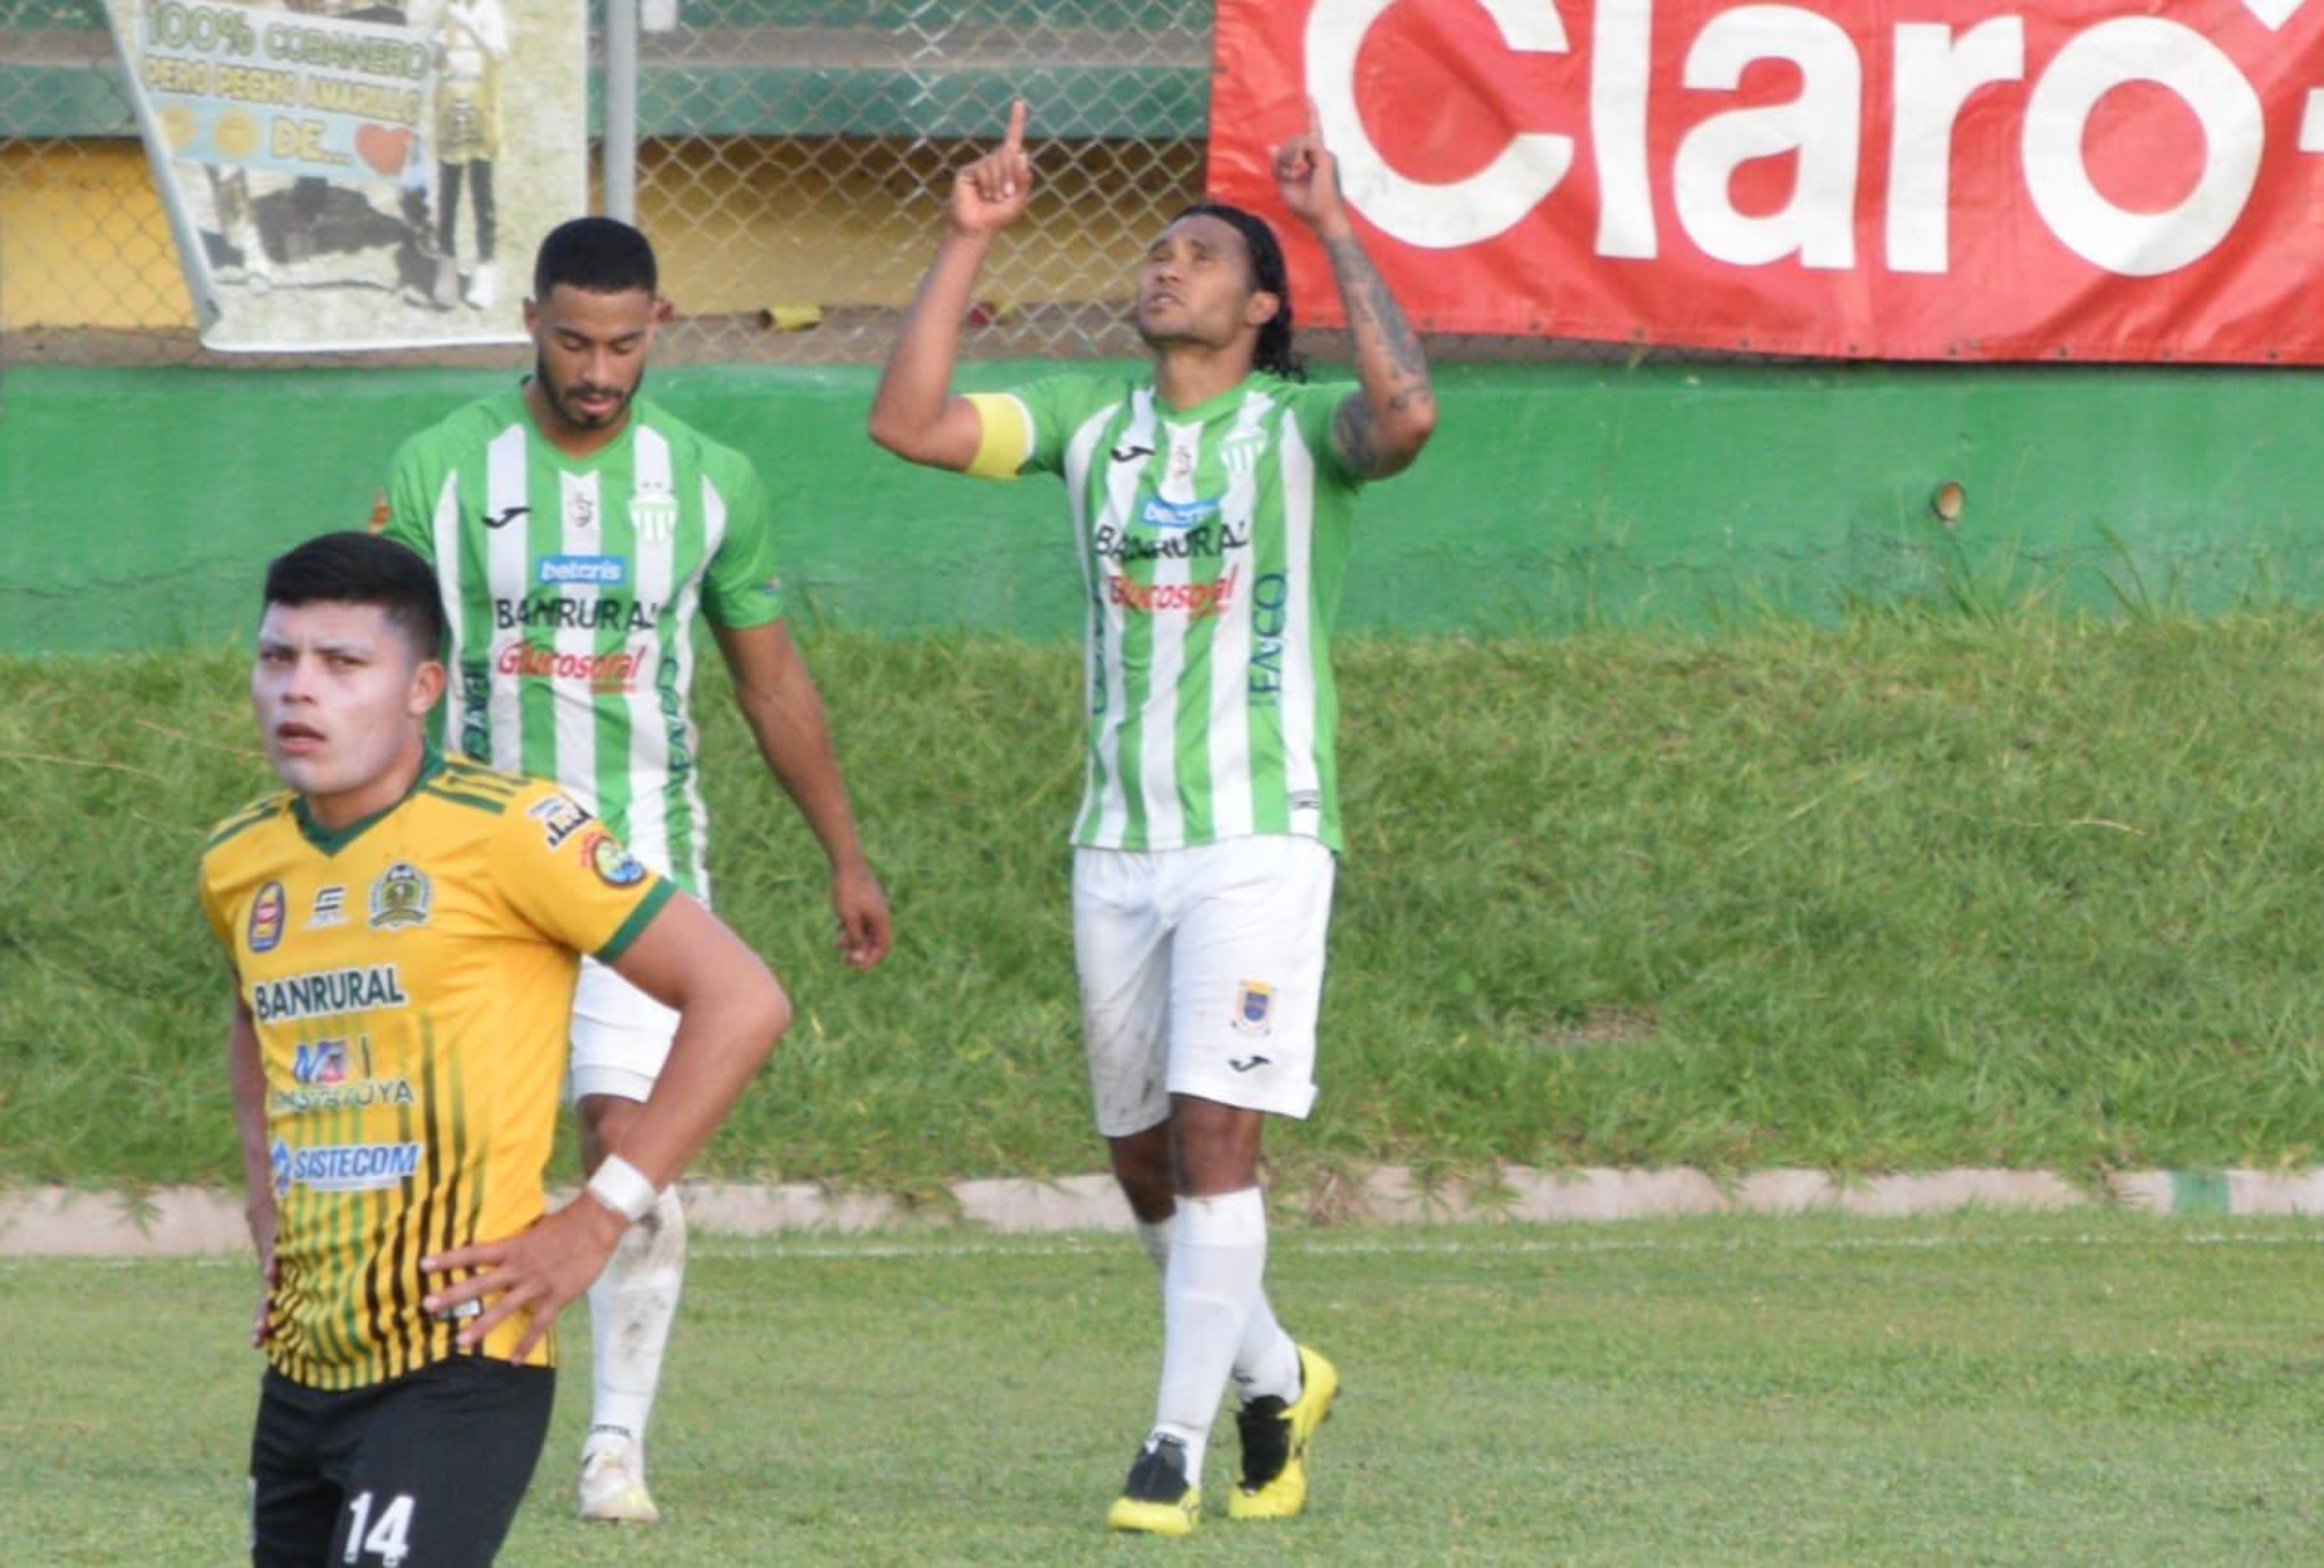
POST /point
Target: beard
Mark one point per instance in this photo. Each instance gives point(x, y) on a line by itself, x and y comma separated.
point(561, 399)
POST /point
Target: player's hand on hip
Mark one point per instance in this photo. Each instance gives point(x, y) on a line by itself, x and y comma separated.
point(262, 1323)
point(538, 1271)
point(987, 195)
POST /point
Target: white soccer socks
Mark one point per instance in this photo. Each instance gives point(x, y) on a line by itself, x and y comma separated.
point(1268, 1360)
point(631, 1309)
point(1210, 1285)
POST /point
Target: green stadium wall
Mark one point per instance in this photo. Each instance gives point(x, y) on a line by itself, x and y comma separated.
point(137, 506)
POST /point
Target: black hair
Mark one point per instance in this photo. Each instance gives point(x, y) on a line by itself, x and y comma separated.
point(1267, 272)
point(353, 568)
point(603, 255)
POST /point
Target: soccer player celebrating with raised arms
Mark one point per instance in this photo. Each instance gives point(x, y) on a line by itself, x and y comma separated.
point(582, 531)
point(403, 930)
point(1214, 505)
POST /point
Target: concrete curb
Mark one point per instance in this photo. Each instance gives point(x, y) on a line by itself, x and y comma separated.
point(177, 1221)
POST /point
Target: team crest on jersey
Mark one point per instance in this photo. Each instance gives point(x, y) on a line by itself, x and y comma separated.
point(653, 513)
point(330, 907)
point(560, 818)
point(1254, 1012)
point(399, 898)
point(266, 919)
point(580, 499)
point(616, 867)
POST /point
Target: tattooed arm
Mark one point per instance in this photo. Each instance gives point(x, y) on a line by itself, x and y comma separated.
point(1383, 424)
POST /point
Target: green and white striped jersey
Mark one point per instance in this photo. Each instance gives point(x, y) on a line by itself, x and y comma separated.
point(1214, 544)
point(573, 585)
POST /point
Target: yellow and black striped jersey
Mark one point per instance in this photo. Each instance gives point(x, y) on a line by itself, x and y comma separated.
point(411, 978)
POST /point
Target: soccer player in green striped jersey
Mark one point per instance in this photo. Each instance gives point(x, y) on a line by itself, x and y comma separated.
point(582, 532)
point(1214, 505)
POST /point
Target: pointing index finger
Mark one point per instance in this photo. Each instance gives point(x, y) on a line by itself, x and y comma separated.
point(1014, 141)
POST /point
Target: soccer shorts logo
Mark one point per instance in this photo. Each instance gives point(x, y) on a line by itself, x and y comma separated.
point(1254, 1012)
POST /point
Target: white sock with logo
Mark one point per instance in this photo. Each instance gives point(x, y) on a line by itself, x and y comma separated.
point(1218, 1256)
point(1267, 1359)
point(631, 1306)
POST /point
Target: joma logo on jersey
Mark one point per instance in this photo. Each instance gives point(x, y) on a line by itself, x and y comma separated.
point(594, 571)
point(325, 991)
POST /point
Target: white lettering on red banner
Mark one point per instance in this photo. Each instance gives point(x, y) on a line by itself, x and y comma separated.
point(1954, 179)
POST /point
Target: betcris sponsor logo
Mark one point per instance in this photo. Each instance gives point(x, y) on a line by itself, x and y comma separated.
point(1160, 513)
point(582, 571)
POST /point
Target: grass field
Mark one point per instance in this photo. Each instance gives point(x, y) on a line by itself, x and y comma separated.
point(1967, 888)
point(2103, 1388)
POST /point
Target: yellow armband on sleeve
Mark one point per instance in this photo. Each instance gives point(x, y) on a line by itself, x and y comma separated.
point(1006, 440)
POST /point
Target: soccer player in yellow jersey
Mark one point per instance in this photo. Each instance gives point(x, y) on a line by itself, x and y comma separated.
point(403, 930)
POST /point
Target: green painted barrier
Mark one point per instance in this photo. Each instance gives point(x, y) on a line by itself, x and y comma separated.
point(136, 507)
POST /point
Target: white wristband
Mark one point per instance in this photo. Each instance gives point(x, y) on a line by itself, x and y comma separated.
point(622, 1187)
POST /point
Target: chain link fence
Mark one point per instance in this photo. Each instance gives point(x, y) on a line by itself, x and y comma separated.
point(793, 163)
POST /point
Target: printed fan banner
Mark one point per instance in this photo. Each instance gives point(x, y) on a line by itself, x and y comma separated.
point(373, 176)
point(2097, 180)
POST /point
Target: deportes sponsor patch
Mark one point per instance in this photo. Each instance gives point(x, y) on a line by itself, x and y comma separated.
point(615, 865)
point(266, 919)
point(1254, 1011)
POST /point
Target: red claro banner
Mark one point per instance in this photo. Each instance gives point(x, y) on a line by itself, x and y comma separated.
point(2086, 180)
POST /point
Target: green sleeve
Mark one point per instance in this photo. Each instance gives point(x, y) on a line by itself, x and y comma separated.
point(743, 587)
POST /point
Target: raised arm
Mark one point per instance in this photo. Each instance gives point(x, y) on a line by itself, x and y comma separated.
point(1383, 424)
point(915, 414)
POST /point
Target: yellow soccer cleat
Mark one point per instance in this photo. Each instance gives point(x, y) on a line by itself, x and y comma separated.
point(1157, 1500)
point(1275, 1438)
point(613, 1486)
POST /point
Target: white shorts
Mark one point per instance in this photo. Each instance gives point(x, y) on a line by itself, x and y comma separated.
point(620, 1037)
point(1202, 973)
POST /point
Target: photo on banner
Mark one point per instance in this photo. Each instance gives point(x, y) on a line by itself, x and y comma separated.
point(1954, 180)
point(364, 175)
